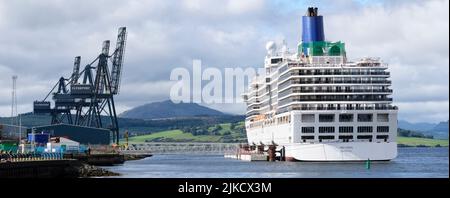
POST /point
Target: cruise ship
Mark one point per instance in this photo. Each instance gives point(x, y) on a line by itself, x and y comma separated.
point(318, 105)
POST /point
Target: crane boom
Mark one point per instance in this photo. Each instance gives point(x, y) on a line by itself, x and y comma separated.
point(76, 70)
point(102, 72)
point(118, 60)
point(105, 47)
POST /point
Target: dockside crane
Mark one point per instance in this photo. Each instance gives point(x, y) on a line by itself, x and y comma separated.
point(86, 103)
point(76, 70)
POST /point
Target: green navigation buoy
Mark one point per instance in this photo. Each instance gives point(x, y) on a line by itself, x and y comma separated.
point(368, 164)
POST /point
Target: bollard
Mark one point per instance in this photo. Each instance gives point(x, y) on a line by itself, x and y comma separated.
point(271, 152)
point(283, 154)
point(368, 164)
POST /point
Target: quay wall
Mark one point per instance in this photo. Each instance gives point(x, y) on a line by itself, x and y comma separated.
point(40, 169)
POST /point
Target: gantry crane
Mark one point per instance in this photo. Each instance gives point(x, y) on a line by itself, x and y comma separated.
point(86, 103)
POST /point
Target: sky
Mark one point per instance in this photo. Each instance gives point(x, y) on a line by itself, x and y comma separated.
point(40, 39)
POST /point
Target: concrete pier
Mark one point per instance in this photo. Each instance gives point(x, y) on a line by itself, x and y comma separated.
point(258, 153)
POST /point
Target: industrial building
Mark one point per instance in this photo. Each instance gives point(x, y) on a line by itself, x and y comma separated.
point(83, 135)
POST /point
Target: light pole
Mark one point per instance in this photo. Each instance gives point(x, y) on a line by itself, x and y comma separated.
point(13, 106)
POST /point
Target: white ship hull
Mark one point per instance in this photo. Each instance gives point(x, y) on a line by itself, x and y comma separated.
point(349, 151)
point(289, 135)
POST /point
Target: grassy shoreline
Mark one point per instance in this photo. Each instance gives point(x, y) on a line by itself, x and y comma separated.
point(421, 142)
point(173, 136)
point(179, 136)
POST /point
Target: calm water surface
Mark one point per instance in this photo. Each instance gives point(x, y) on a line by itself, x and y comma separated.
point(411, 162)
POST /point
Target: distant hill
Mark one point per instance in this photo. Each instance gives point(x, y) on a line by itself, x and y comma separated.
point(440, 131)
point(421, 126)
point(29, 120)
point(442, 126)
point(139, 126)
point(168, 109)
point(409, 133)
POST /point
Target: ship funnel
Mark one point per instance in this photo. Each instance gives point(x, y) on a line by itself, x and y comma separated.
point(312, 26)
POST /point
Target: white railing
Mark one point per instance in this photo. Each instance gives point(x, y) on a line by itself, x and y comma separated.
point(182, 148)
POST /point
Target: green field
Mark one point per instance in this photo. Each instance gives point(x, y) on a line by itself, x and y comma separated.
point(223, 134)
point(412, 141)
point(226, 128)
point(173, 136)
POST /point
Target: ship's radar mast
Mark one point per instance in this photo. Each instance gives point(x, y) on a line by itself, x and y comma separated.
point(271, 48)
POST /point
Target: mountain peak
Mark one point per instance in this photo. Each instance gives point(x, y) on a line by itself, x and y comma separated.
point(437, 130)
point(169, 109)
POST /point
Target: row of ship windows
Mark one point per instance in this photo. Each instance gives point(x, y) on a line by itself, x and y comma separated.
point(325, 82)
point(335, 98)
point(310, 118)
point(337, 107)
point(332, 77)
point(340, 72)
point(320, 80)
point(335, 89)
point(347, 129)
point(280, 120)
point(337, 70)
point(362, 117)
point(346, 138)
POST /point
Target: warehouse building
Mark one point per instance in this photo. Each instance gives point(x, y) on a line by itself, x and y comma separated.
point(83, 135)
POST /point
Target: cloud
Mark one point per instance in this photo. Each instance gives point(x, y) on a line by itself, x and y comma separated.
point(433, 111)
point(40, 38)
point(133, 93)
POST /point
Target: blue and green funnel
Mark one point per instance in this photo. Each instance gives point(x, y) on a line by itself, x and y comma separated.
point(313, 37)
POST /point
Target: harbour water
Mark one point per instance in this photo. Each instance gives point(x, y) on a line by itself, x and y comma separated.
point(410, 163)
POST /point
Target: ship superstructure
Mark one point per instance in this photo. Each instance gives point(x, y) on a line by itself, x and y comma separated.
point(318, 105)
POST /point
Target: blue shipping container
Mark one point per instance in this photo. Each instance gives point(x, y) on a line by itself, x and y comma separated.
point(39, 138)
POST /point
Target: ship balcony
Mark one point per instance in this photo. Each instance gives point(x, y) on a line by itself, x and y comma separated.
point(344, 107)
point(298, 92)
point(281, 86)
point(370, 64)
point(256, 104)
point(309, 72)
point(332, 73)
point(341, 82)
point(284, 85)
point(252, 109)
point(252, 97)
point(252, 114)
point(336, 98)
point(344, 91)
